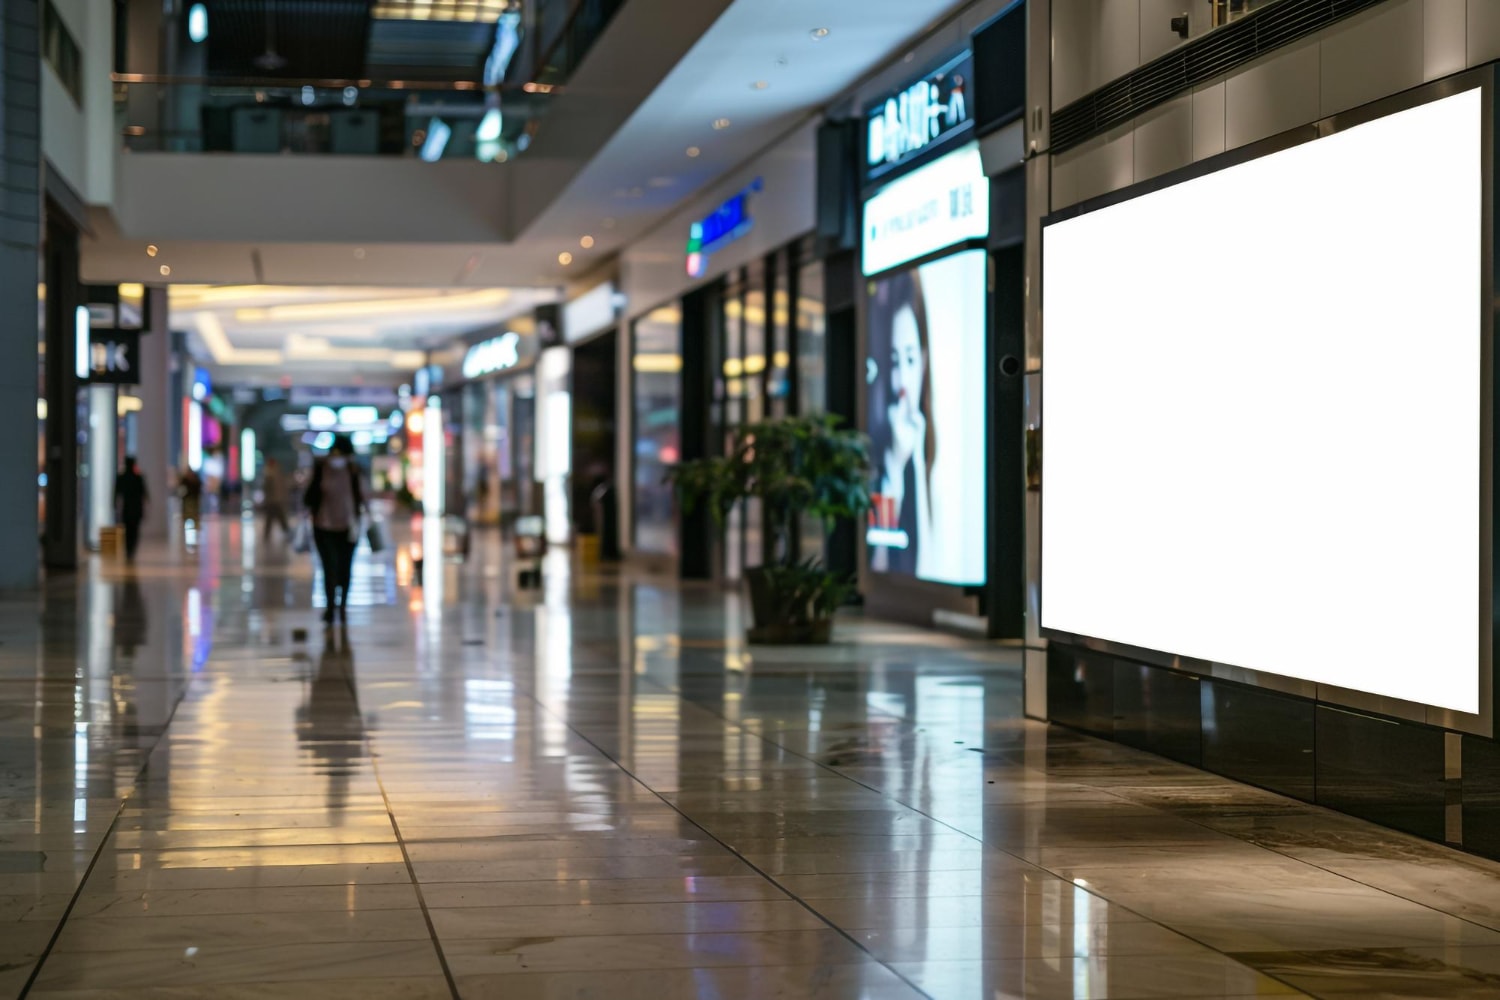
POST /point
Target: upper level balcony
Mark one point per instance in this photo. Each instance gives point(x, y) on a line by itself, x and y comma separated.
point(434, 79)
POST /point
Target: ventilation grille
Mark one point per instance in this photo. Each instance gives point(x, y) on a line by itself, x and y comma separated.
point(1213, 55)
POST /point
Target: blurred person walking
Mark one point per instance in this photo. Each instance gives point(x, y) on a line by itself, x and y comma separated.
point(130, 502)
point(273, 487)
point(190, 488)
point(336, 500)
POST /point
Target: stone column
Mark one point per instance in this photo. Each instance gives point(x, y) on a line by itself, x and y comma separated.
point(154, 422)
point(20, 240)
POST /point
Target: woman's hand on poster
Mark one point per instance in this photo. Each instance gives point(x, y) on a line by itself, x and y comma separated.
point(908, 432)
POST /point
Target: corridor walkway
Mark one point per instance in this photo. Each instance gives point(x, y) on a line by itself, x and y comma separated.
point(597, 791)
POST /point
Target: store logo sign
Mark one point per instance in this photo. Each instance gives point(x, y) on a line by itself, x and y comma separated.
point(497, 355)
point(932, 208)
point(728, 223)
point(926, 113)
point(114, 356)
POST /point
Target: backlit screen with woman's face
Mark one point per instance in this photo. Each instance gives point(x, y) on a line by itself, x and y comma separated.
point(926, 420)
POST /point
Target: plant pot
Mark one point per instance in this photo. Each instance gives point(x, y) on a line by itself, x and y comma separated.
point(767, 630)
point(816, 633)
point(762, 607)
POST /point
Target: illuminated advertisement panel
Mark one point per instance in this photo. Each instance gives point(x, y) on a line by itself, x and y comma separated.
point(1261, 396)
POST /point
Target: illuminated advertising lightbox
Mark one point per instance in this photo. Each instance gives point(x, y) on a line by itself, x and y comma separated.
point(927, 210)
point(926, 420)
point(1262, 410)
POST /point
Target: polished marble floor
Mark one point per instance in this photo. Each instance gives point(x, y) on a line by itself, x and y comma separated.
point(597, 791)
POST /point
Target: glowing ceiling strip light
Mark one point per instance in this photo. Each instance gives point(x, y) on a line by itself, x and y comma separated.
point(335, 310)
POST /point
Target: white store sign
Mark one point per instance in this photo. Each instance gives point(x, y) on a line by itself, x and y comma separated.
point(595, 310)
point(937, 206)
point(497, 355)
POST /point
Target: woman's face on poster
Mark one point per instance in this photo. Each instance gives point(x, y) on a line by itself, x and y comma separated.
point(907, 363)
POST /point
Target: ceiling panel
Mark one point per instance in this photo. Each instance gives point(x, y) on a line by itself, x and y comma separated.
point(289, 39)
point(428, 50)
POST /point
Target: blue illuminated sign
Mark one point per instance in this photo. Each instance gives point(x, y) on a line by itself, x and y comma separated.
point(728, 223)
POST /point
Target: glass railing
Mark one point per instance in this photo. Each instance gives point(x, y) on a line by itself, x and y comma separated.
point(433, 121)
point(557, 35)
point(533, 49)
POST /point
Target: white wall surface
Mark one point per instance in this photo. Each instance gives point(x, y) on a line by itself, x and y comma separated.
point(317, 199)
point(78, 136)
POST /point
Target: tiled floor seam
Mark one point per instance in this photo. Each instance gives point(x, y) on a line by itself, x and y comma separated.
point(62, 921)
point(411, 871)
point(886, 795)
point(1273, 850)
point(716, 839)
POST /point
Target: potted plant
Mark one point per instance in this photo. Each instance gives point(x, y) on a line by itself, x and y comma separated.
point(795, 466)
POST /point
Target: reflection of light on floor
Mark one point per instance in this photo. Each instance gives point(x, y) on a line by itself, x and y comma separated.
point(80, 763)
point(489, 709)
point(1083, 933)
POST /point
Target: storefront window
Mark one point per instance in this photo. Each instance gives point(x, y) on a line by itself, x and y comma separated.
point(754, 364)
point(754, 359)
point(812, 340)
point(812, 377)
point(475, 457)
point(779, 380)
point(656, 361)
point(505, 466)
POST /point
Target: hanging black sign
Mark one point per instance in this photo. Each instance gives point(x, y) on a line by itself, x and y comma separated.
point(115, 356)
point(920, 119)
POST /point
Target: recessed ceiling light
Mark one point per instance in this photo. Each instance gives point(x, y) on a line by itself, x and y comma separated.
point(693, 151)
point(151, 250)
point(359, 253)
point(165, 270)
point(720, 124)
point(565, 258)
point(818, 34)
point(587, 242)
point(759, 85)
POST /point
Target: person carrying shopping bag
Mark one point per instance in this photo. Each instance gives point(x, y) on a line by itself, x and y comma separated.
point(336, 501)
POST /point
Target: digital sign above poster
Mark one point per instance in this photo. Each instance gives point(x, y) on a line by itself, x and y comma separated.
point(937, 206)
point(919, 119)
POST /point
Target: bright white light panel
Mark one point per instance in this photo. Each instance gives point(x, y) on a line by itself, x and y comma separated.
point(1261, 404)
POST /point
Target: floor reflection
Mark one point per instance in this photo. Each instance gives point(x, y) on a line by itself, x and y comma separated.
point(594, 788)
point(329, 725)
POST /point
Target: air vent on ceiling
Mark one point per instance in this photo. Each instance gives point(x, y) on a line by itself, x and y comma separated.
point(1210, 56)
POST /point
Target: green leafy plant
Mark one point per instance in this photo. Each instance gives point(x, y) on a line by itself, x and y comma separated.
point(794, 466)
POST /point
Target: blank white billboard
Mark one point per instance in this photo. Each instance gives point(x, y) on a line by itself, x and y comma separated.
point(1261, 404)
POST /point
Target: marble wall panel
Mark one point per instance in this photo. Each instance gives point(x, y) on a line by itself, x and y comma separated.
point(1388, 772)
point(1258, 737)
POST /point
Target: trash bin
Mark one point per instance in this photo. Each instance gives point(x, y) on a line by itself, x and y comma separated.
point(588, 551)
point(607, 520)
point(109, 541)
point(531, 547)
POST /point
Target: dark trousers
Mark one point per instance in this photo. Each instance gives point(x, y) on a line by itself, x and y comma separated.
point(276, 515)
point(132, 537)
point(336, 552)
